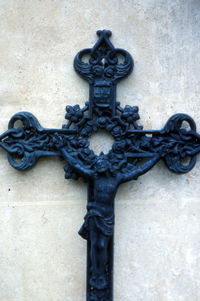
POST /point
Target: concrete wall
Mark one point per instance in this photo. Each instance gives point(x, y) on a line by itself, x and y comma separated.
point(157, 243)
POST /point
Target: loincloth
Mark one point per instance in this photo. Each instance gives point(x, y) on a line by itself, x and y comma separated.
point(103, 224)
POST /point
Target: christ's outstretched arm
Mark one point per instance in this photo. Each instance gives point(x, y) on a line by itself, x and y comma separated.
point(74, 163)
point(142, 169)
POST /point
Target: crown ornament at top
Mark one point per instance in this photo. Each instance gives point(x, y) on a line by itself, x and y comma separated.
point(103, 70)
point(103, 61)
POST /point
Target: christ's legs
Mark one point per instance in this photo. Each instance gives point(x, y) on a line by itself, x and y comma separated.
point(94, 246)
point(102, 253)
point(98, 257)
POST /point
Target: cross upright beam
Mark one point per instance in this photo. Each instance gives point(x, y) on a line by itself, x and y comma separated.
point(134, 152)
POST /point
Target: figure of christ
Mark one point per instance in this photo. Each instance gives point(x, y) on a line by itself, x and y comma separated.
point(98, 223)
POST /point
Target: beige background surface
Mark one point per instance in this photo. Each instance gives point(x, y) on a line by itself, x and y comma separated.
point(157, 244)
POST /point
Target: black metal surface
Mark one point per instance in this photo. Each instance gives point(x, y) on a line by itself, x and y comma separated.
point(134, 152)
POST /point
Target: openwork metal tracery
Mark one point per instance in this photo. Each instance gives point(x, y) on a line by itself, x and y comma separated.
point(134, 151)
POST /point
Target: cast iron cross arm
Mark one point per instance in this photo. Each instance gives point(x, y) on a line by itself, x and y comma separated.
point(26, 140)
point(177, 143)
point(134, 151)
point(31, 141)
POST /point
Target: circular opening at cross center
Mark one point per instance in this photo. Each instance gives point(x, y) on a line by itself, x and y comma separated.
point(101, 141)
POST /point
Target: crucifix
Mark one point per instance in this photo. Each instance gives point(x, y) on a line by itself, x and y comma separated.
point(133, 153)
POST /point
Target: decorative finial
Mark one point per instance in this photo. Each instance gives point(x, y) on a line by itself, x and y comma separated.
point(103, 71)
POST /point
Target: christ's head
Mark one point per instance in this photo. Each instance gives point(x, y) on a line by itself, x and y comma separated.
point(101, 165)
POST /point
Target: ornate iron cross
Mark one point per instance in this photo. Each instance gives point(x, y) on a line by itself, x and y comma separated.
point(134, 152)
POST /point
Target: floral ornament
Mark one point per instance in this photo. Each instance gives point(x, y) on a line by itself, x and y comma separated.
point(74, 113)
point(57, 141)
point(93, 124)
point(117, 154)
point(130, 114)
point(163, 146)
point(87, 155)
point(117, 132)
point(82, 142)
point(117, 128)
point(119, 146)
point(117, 161)
point(144, 143)
point(90, 127)
point(86, 131)
point(70, 173)
point(102, 122)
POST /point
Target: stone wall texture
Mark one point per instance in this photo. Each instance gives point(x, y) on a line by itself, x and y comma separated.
point(157, 237)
